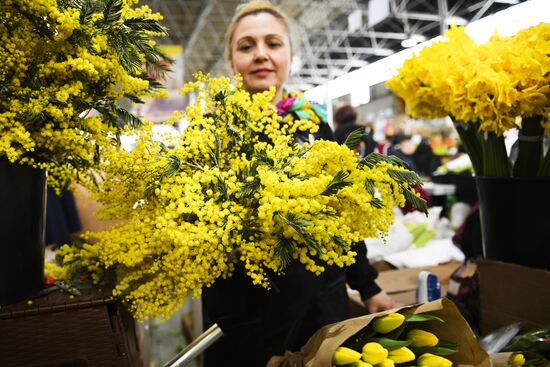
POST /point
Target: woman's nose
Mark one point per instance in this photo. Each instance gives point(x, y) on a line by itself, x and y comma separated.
point(261, 53)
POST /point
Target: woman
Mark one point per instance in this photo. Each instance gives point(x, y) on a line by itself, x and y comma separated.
point(260, 323)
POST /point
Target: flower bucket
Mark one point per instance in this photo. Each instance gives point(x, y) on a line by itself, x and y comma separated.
point(515, 219)
point(22, 231)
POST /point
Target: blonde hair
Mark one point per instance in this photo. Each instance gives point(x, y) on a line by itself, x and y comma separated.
point(251, 8)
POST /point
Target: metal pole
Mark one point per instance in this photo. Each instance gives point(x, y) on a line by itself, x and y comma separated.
point(196, 347)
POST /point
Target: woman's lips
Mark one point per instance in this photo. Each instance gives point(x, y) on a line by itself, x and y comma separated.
point(262, 72)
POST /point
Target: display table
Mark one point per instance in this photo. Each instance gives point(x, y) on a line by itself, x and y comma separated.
point(59, 330)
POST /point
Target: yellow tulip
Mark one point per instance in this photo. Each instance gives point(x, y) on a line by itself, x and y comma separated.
point(390, 322)
point(343, 356)
point(516, 360)
point(386, 363)
point(431, 360)
point(401, 355)
point(421, 338)
point(361, 364)
point(374, 353)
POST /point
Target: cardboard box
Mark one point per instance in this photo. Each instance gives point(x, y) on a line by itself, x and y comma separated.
point(512, 293)
point(400, 284)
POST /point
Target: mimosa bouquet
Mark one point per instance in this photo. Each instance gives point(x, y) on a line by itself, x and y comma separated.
point(233, 189)
point(61, 59)
point(487, 90)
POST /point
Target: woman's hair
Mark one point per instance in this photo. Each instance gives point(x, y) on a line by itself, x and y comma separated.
point(345, 114)
point(251, 8)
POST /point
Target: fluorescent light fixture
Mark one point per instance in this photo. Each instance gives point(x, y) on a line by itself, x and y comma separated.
point(456, 20)
point(511, 2)
point(506, 22)
point(413, 40)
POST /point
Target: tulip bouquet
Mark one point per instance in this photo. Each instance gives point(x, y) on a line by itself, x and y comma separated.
point(390, 340)
point(430, 335)
point(487, 90)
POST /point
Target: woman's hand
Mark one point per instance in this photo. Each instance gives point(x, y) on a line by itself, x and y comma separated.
point(379, 302)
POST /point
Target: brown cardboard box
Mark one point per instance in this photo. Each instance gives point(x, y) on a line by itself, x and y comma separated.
point(401, 284)
point(512, 293)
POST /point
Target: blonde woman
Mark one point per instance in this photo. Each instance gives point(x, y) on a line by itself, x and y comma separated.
point(259, 323)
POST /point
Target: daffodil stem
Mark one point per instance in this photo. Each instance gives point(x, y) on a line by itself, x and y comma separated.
point(530, 148)
point(495, 158)
point(469, 137)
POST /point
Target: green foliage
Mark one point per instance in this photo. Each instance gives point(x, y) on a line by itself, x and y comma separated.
point(337, 183)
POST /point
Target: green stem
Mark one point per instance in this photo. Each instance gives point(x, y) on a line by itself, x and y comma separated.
point(469, 137)
point(530, 148)
point(495, 158)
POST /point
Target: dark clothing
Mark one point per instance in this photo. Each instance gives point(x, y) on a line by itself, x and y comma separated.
point(62, 218)
point(260, 323)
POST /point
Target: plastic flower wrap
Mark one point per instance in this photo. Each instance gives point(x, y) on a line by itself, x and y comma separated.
point(484, 88)
point(234, 188)
point(59, 59)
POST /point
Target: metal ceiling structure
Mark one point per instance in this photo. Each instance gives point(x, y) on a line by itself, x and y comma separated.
point(331, 37)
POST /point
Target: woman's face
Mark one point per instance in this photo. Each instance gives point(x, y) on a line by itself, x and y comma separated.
point(260, 52)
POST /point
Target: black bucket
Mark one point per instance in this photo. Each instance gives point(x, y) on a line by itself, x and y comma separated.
point(515, 219)
point(22, 231)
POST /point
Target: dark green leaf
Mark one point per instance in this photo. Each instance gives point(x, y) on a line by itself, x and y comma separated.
point(144, 24)
point(340, 241)
point(337, 183)
point(112, 11)
point(415, 201)
point(391, 344)
point(440, 351)
point(374, 159)
point(283, 251)
point(126, 117)
point(369, 186)
point(300, 225)
point(354, 138)
point(418, 317)
point(403, 176)
point(173, 166)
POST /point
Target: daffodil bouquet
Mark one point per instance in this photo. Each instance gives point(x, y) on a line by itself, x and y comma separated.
point(61, 59)
point(487, 90)
point(234, 189)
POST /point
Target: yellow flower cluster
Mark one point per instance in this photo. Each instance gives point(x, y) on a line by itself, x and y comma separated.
point(378, 347)
point(233, 189)
point(58, 61)
point(491, 83)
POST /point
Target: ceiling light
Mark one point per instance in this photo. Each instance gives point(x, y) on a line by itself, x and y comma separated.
point(455, 20)
point(511, 2)
point(413, 40)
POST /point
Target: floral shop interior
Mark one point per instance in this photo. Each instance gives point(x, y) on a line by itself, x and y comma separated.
point(276, 183)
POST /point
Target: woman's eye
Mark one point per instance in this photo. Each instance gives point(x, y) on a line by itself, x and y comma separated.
point(245, 47)
point(274, 44)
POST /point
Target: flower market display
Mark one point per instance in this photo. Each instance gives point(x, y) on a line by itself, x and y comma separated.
point(61, 59)
point(484, 89)
point(234, 189)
